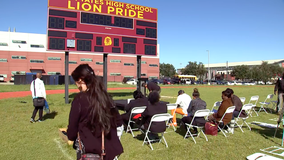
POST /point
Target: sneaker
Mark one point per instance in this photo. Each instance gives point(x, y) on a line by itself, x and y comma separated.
point(32, 120)
point(39, 120)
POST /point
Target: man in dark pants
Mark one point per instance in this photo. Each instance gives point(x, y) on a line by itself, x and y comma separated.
point(38, 91)
point(152, 87)
point(279, 86)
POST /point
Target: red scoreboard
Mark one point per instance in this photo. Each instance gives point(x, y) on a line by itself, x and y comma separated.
point(101, 26)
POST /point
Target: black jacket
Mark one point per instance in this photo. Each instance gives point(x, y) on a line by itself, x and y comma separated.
point(92, 140)
point(134, 103)
point(153, 87)
point(279, 86)
point(151, 110)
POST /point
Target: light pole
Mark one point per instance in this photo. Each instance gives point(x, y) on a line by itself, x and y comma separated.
point(208, 69)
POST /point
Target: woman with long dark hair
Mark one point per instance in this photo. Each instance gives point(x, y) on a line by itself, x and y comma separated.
point(92, 112)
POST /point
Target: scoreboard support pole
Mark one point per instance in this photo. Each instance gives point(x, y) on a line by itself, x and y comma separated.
point(66, 77)
point(105, 70)
point(138, 72)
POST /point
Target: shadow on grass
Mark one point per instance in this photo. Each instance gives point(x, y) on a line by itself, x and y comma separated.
point(268, 133)
point(50, 115)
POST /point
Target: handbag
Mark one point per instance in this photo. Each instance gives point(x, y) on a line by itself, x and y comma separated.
point(211, 128)
point(39, 101)
point(92, 156)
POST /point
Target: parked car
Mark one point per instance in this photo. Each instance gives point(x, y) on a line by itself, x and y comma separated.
point(12, 79)
point(158, 81)
point(221, 82)
point(2, 78)
point(175, 81)
point(269, 83)
point(188, 81)
point(132, 82)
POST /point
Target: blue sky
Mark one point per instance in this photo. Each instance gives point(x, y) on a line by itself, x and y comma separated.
point(232, 30)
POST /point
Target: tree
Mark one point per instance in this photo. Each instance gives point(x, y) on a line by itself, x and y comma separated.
point(194, 69)
point(167, 70)
point(241, 72)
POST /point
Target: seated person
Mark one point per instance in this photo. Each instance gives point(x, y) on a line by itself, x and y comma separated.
point(195, 104)
point(183, 101)
point(152, 87)
point(226, 103)
point(154, 107)
point(139, 101)
point(237, 103)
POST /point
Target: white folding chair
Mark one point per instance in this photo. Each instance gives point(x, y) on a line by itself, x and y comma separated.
point(247, 108)
point(157, 118)
point(216, 105)
point(135, 110)
point(171, 107)
point(253, 100)
point(198, 113)
point(119, 134)
point(266, 103)
point(243, 99)
point(129, 99)
point(228, 110)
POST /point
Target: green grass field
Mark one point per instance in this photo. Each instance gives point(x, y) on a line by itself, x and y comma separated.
point(23, 140)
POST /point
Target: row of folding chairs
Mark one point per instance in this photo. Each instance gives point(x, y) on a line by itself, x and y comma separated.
point(268, 104)
point(248, 108)
point(167, 118)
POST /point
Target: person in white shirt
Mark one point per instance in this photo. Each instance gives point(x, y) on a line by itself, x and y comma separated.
point(38, 91)
point(183, 101)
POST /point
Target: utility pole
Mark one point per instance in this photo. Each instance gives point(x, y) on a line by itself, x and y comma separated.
point(209, 77)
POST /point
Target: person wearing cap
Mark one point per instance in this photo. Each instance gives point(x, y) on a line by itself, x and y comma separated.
point(183, 101)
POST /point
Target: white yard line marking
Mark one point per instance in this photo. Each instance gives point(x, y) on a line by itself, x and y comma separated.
point(168, 97)
point(62, 150)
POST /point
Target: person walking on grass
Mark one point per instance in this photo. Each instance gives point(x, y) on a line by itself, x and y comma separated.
point(38, 91)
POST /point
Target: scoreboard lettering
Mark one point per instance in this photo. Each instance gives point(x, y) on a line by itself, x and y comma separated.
point(102, 26)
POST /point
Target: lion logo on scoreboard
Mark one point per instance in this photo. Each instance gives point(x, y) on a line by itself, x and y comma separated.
point(107, 41)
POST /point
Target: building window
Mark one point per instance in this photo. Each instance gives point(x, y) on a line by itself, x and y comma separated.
point(3, 44)
point(86, 59)
point(153, 77)
point(19, 57)
point(143, 62)
point(72, 62)
point(116, 42)
point(153, 65)
point(98, 40)
point(128, 64)
point(19, 41)
point(18, 72)
point(37, 46)
point(143, 74)
point(53, 73)
point(3, 60)
point(115, 74)
point(54, 58)
point(36, 61)
point(99, 63)
point(115, 61)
